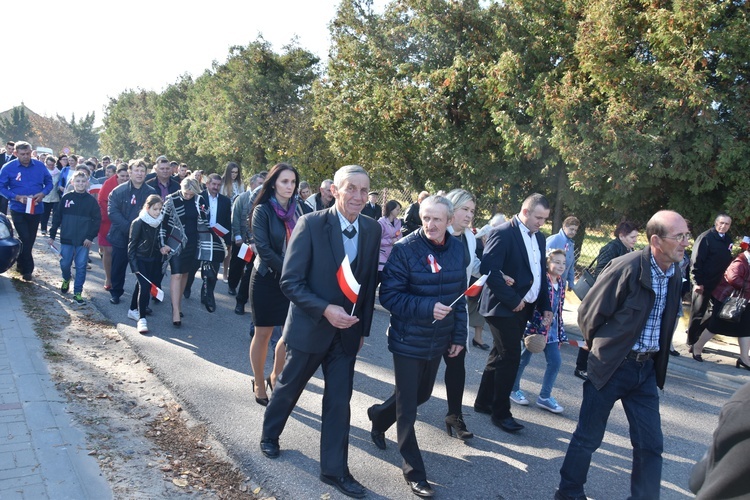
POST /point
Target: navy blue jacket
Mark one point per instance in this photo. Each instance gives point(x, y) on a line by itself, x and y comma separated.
point(410, 289)
point(78, 217)
point(124, 205)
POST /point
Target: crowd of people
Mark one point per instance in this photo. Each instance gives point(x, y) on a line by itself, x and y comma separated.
point(278, 246)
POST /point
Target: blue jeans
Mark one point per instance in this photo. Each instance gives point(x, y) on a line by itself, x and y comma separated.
point(80, 255)
point(634, 384)
point(552, 355)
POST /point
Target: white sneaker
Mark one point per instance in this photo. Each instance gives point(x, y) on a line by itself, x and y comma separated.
point(519, 398)
point(549, 404)
point(133, 314)
point(142, 326)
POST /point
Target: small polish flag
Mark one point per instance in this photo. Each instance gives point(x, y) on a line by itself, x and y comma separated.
point(30, 205)
point(476, 287)
point(157, 292)
point(347, 282)
point(245, 253)
point(55, 250)
point(577, 343)
point(94, 190)
point(434, 266)
point(220, 230)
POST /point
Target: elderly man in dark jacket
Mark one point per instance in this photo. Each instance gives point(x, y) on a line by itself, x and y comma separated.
point(628, 319)
point(425, 272)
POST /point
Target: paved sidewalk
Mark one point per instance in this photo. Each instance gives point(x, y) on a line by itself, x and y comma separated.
point(42, 451)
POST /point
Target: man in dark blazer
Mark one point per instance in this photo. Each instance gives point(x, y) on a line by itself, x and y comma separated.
point(514, 249)
point(322, 328)
point(220, 221)
point(372, 209)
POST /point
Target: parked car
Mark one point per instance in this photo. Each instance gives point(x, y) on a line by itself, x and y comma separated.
point(10, 246)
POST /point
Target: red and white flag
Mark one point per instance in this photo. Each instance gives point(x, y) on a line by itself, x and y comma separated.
point(476, 287)
point(245, 253)
point(347, 282)
point(30, 205)
point(220, 230)
point(157, 292)
point(434, 266)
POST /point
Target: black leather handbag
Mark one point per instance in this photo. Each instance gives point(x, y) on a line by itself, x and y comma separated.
point(734, 305)
point(585, 282)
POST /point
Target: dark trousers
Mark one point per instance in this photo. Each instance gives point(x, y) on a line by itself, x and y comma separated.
point(698, 317)
point(150, 269)
point(236, 268)
point(48, 208)
point(634, 384)
point(209, 281)
point(26, 227)
point(338, 373)
point(502, 363)
point(243, 291)
point(3, 204)
point(216, 263)
point(582, 360)
point(455, 381)
point(119, 268)
point(415, 379)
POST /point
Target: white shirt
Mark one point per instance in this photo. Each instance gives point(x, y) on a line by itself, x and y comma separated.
point(535, 256)
point(213, 207)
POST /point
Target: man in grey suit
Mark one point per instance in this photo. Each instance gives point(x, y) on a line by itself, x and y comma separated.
point(323, 325)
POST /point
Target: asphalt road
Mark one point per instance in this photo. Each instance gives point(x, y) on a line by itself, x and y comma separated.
point(206, 364)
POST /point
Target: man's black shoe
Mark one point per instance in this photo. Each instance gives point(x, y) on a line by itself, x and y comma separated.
point(232, 291)
point(148, 311)
point(582, 374)
point(270, 447)
point(27, 277)
point(114, 300)
point(560, 496)
point(421, 488)
point(482, 409)
point(378, 437)
point(186, 293)
point(508, 424)
point(346, 485)
point(239, 309)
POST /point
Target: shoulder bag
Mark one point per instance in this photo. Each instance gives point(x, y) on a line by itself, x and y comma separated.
point(585, 282)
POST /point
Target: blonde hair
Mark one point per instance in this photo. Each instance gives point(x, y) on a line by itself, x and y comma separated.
point(191, 185)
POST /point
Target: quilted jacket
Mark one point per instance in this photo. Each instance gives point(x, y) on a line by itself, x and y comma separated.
point(411, 287)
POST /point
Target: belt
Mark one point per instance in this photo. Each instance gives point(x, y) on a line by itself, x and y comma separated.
point(640, 357)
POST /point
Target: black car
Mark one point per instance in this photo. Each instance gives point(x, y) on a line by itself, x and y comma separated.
point(10, 247)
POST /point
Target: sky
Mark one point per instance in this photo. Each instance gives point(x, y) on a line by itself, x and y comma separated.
point(72, 56)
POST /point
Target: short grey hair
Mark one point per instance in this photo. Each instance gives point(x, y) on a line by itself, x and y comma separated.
point(497, 219)
point(437, 200)
point(345, 172)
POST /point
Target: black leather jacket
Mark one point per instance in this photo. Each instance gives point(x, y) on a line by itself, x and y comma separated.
point(144, 243)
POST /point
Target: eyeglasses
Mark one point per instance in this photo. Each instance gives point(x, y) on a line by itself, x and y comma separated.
point(679, 237)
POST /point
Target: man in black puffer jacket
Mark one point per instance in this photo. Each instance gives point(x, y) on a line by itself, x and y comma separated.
point(425, 272)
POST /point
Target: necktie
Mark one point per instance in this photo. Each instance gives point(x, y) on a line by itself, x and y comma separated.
point(350, 246)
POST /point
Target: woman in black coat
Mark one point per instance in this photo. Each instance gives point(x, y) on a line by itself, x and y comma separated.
point(274, 216)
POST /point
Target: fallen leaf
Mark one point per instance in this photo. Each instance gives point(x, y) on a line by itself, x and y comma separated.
point(180, 482)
